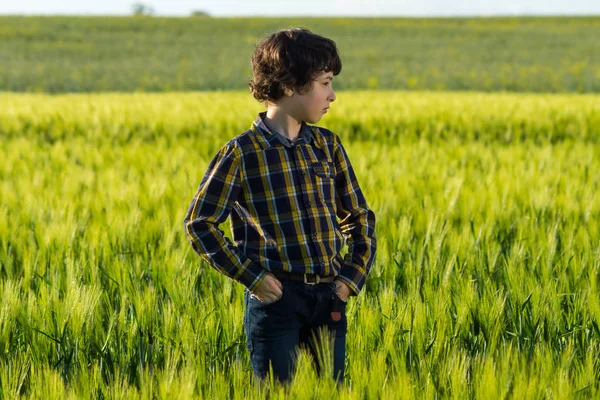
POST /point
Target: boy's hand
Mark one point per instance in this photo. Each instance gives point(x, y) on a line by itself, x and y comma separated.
point(269, 289)
point(342, 289)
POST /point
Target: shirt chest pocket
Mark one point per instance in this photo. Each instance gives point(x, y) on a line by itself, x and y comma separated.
point(324, 178)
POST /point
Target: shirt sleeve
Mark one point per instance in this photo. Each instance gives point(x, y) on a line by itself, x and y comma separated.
point(211, 206)
point(357, 222)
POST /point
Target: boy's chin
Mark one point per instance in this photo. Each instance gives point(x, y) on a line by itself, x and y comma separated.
point(312, 120)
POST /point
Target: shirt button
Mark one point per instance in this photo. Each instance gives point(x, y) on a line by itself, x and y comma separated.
point(322, 262)
point(315, 234)
point(309, 202)
point(303, 173)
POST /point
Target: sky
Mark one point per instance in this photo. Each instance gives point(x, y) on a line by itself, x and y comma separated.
point(224, 8)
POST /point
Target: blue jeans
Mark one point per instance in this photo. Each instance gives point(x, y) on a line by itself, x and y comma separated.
point(275, 330)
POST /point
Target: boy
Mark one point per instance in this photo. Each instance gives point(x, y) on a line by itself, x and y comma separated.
point(287, 182)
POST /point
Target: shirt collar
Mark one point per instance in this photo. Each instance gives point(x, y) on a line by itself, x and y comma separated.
point(272, 137)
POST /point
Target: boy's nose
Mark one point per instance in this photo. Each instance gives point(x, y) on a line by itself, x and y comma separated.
point(332, 97)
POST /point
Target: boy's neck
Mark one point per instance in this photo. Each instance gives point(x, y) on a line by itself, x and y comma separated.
point(282, 122)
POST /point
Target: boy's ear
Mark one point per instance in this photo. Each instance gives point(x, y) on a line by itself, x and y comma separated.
point(287, 91)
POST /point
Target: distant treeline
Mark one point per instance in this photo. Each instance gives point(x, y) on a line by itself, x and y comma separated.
point(91, 54)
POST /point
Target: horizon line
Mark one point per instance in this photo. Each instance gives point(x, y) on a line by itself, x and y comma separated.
point(224, 16)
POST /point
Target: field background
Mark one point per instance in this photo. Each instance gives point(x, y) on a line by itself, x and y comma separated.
point(66, 54)
point(488, 268)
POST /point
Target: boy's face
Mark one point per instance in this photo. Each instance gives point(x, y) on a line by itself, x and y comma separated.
point(311, 106)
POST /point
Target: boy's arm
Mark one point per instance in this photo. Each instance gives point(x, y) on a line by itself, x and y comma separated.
point(357, 222)
point(211, 205)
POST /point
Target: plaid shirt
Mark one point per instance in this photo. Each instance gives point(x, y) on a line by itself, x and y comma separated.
point(286, 197)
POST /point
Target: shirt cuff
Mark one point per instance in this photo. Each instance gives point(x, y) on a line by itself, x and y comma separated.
point(355, 287)
point(252, 275)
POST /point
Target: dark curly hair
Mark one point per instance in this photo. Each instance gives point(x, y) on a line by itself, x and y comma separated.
point(291, 58)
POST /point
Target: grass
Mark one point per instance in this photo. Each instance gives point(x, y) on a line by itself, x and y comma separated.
point(485, 284)
point(61, 54)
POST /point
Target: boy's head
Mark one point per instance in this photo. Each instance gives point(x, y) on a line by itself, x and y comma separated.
point(294, 69)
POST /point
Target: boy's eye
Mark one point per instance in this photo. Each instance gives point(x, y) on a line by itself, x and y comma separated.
point(326, 83)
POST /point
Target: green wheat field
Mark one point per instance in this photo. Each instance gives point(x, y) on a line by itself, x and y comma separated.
point(90, 54)
point(486, 280)
point(485, 285)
